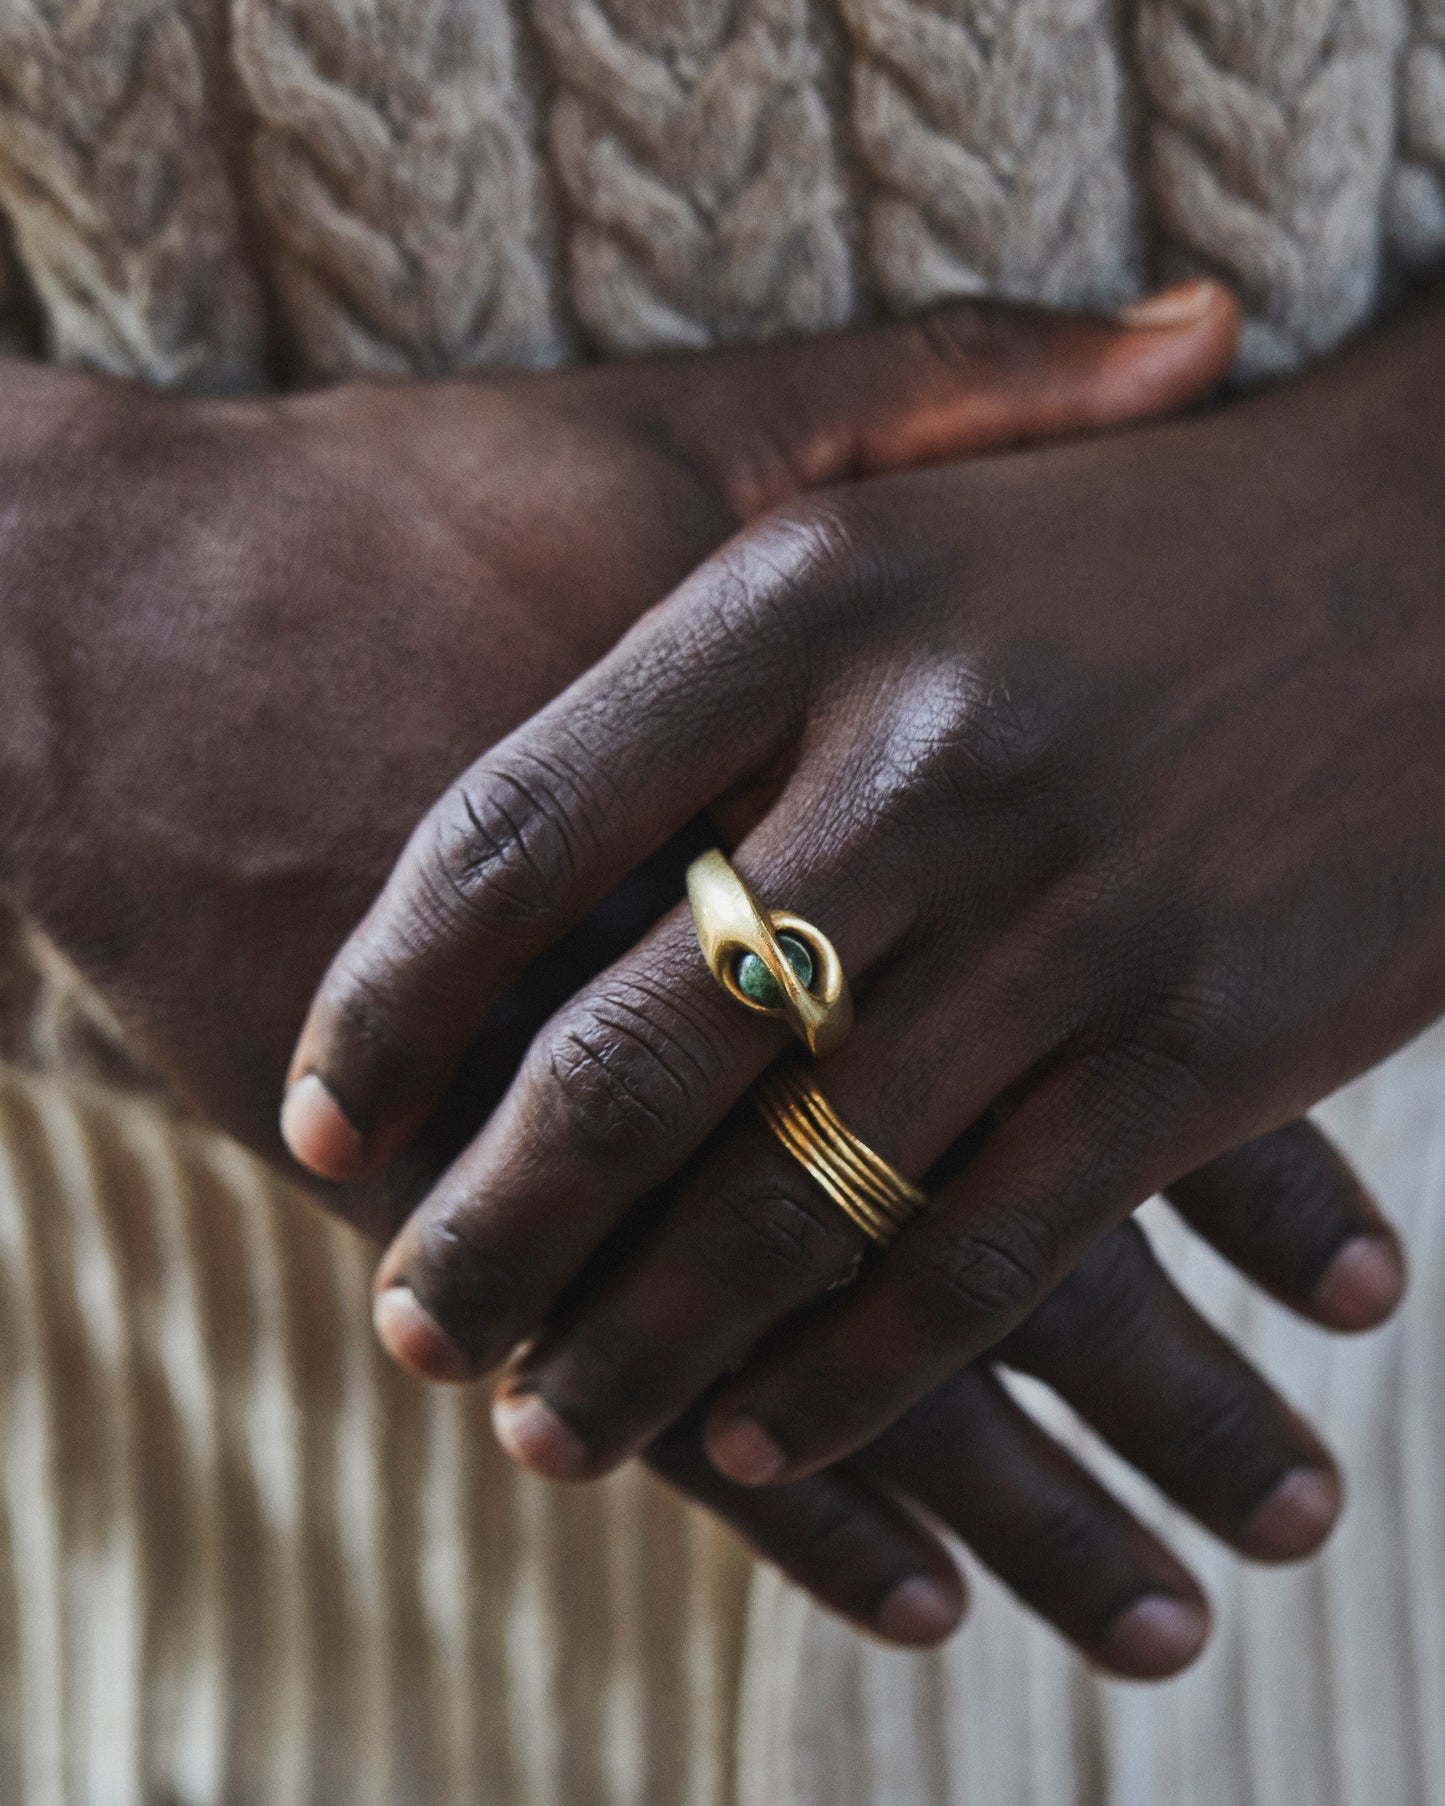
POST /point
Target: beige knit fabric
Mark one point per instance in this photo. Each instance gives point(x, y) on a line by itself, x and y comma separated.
point(241, 1561)
point(227, 191)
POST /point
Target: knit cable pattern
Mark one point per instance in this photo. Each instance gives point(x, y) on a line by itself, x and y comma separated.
point(694, 147)
point(112, 175)
point(396, 177)
point(992, 131)
point(1415, 217)
point(1270, 143)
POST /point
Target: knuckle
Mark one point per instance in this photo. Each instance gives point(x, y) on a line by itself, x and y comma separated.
point(966, 339)
point(1213, 1427)
point(766, 1232)
point(1048, 1548)
point(506, 842)
point(781, 581)
point(1137, 1096)
point(622, 1083)
point(1191, 1027)
point(984, 1275)
point(1006, 736)
point(1101, 1299)
point(1289, 1189)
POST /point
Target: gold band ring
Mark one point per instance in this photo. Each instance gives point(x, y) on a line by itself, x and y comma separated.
point(877, 1198)
point(770, 961)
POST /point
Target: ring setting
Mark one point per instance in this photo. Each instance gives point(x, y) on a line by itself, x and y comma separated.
point(769, 960)
point(776, 964)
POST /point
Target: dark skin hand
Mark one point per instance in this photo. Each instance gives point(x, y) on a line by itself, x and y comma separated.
point(1116, 773)
point(243, 643)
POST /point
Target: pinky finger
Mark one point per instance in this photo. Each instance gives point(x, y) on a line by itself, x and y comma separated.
point(976, 1461)
point(1290, 1212)
point(856, 1551)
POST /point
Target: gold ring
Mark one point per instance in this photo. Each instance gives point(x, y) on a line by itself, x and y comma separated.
point(770, 961)
point(877, 1197)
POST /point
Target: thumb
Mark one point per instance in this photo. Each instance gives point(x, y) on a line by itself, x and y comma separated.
point(770, 421)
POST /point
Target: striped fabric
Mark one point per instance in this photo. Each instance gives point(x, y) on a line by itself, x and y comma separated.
point(241, 1560)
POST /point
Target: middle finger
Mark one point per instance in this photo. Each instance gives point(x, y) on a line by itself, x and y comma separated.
point(617, 1091)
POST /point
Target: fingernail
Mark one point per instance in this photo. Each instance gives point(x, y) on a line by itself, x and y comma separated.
point(919, 1610)
point(414, 1339)
point(1296, 1517)
point(1156, 1636)
point(1177, 306)
point(536, 1437)
point(1362, 1284)
point(314, 1127)
point(744, 1451)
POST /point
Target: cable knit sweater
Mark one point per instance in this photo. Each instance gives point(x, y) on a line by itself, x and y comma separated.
point(241, 192)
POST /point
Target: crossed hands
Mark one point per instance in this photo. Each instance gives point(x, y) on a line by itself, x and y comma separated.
point(1072, 753)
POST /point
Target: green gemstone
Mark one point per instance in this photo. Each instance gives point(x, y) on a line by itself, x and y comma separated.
point(757, 983)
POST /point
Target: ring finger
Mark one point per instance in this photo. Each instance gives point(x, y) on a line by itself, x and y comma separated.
point(748, 1236)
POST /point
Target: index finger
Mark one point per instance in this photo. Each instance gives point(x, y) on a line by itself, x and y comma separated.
point(696, 697)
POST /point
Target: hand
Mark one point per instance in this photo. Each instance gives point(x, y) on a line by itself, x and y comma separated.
point(244, 643)
point(1115, 773)
point(1122, 1347)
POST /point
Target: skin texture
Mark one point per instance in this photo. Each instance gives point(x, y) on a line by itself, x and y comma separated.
point(1114, 771)
point(244, 643)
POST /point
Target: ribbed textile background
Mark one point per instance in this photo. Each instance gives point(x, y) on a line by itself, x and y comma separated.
point(242, 1560)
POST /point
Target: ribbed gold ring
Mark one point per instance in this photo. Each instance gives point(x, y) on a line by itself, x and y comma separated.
point(769, 960)
point(860, 1182)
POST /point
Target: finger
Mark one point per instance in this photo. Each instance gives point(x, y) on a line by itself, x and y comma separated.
point(1089, 1145)
point(1289, 1212)
point(1164, 1388)
point(775, 420)
point(695, 699)
point(980, 1465)
point(858, 1552)
point(747, 1236)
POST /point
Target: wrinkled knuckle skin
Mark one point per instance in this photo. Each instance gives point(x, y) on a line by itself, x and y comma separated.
point(505, 845)
point(980, 1284)
point(1289, 1191)
point(1006, 739)
point(1198, 1029)
point(621, 1085)
point(768, 1237)
point(799, 573)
